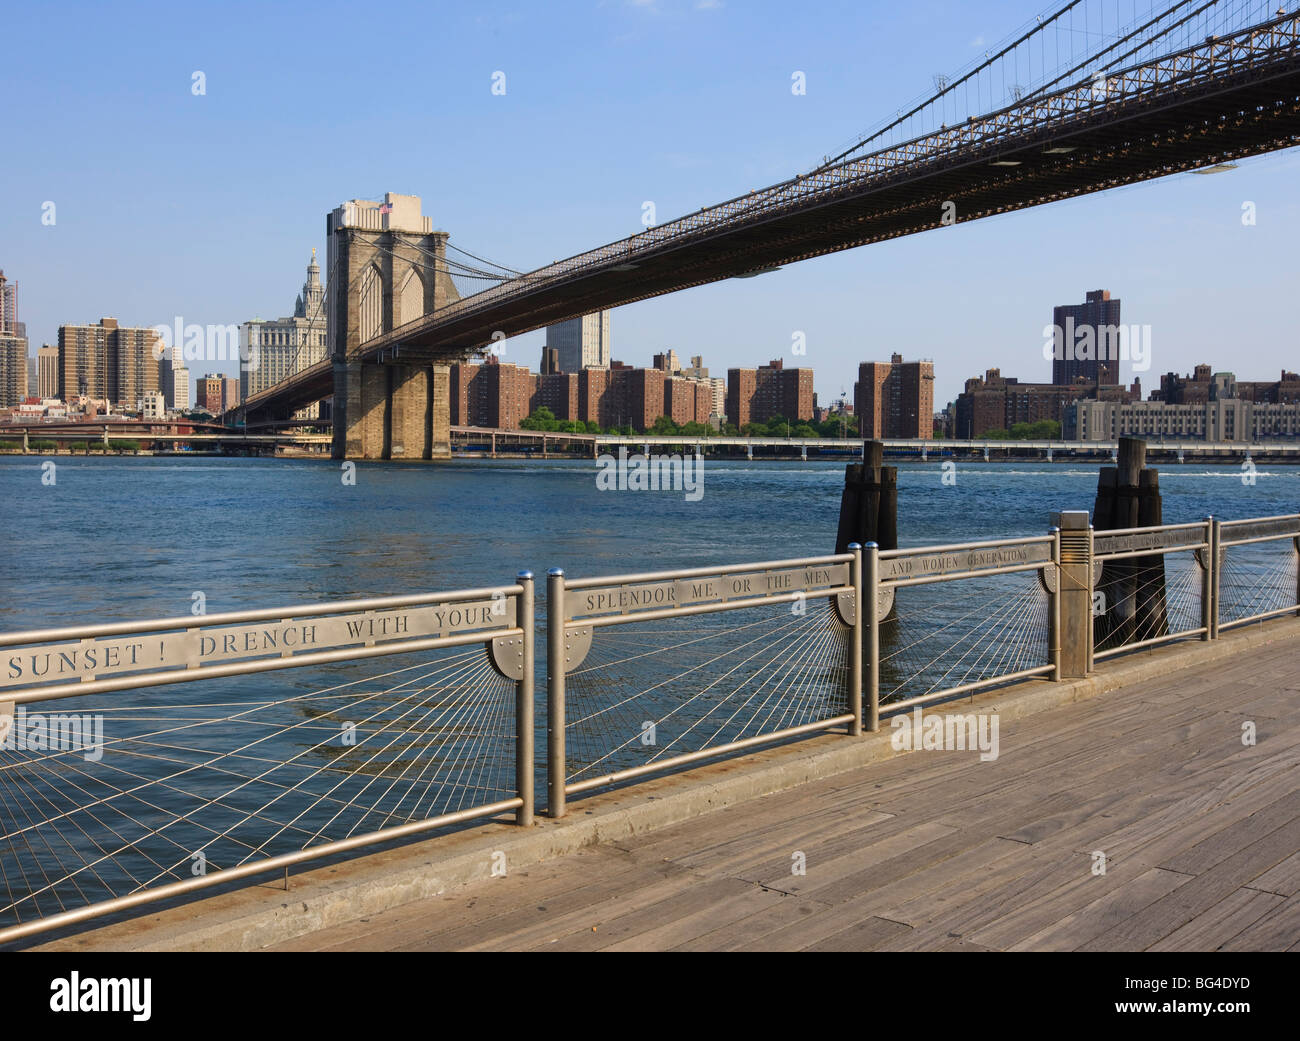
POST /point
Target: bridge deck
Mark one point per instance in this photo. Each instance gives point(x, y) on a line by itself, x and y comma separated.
point(938, 850)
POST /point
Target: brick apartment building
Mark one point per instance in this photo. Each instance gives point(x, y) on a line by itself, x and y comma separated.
point(895, 398)
point(757, 395)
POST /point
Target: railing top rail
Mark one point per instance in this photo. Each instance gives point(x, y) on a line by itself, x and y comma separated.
point(893, 554)
point(1259, 520)
point(263, 614)
point(699, 572)
point(1150, 529)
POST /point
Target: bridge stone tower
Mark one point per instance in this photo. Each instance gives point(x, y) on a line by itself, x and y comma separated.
point(386, 267)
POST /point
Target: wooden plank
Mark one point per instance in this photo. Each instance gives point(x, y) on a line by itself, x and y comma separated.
point(866, 935)
point(1283, 879)
point(1076, 928)
point(822, 874)
point(1236, 836)
point(737, 934)
point(683, 928)
point(1278, 931)
point(599, 928)
point(1172, 912)
point(1215, 926)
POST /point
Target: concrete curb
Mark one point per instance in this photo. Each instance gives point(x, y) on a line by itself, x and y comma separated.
point(259, 916)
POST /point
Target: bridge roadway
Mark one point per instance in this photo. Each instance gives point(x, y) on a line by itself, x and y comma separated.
point(937, 850)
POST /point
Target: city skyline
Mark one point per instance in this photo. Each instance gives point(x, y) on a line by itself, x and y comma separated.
point(1177, 251)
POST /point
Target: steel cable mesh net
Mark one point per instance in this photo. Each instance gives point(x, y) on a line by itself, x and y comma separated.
point(1257, 578)
point(196, 778)
point(1145, 598)
point(946, 634)
point(649, 691)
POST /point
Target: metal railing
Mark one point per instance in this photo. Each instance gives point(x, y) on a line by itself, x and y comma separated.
point(1152, 585)
point(118, 800)
point(934, 642)
point(109, 802)
point(1256, 579)
point(773, 650)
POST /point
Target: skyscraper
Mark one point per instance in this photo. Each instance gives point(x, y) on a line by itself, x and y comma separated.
point(274, 350)
point(583, 343)
point(1086, 343)
point(13, 347)
point(8, 307)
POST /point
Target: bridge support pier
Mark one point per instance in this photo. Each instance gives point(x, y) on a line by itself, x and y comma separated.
point(391, 411)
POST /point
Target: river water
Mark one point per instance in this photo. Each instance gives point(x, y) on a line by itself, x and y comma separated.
point(137, 537)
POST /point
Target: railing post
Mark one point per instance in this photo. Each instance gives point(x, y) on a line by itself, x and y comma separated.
point(1074, 593)
point(1216, 568)
point(859, 631)
point(1295, 548)
point(524, 705)
point(1054, 608)
point(1207, 582)
point(871, 616)
point(555, 765)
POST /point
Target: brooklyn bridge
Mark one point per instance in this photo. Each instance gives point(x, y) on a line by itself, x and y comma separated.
point(1189, 87)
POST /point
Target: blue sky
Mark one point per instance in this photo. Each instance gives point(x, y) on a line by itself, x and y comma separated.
point(207, 207)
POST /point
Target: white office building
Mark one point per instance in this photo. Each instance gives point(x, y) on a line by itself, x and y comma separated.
point(583, 343)
point(272, 351)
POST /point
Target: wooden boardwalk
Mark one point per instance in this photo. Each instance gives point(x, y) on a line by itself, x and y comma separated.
point(937, 850)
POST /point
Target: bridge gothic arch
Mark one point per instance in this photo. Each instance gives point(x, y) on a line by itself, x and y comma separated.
point(389, 268)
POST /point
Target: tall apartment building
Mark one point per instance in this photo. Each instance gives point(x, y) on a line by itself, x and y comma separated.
point(717, 384)
point(8, 307)
point(1099, 316)
point(557, 391)
point(109, 362)
point(581, 343)
point(14, 369)
point(272, 351)
point(230, 392)
point(687, 400)
point(757, 395)
point(47, 371)
point(491, 394)
point(895, 398)
point(176, 389)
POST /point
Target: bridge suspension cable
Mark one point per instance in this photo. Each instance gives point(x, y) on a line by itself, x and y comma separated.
point(1031, 63)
